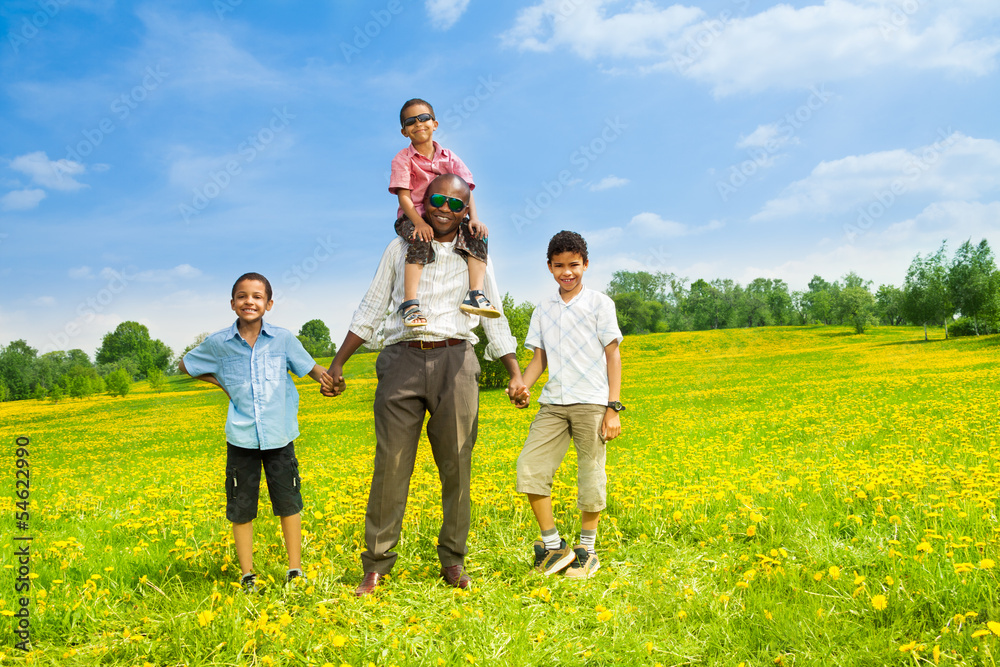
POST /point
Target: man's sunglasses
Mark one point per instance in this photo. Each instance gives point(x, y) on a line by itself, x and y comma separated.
point(454, 205)
point(413, 120)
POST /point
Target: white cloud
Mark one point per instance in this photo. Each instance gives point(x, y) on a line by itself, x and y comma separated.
point(51, 174)
point(954, 167)
point(607, 183)
point(837, 39)
point(22, 200)
point(651, 225)
point(179, 272)
point(82, 273)
point(44, 301)
point(445, 13)
point(770, 137)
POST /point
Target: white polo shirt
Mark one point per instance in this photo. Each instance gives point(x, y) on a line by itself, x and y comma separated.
point(574, 336)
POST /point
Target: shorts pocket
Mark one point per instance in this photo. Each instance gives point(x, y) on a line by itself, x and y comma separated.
point(231, 484)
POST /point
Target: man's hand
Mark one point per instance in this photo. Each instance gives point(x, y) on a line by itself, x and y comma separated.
point(611, 426)
point(332, 382)
point(478, 229)
point(422, 232)
point(518, 393)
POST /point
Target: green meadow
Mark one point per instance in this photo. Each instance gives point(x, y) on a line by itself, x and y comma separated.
point(789, 496)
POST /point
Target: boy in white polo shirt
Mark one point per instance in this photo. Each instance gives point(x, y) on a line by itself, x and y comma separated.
point(575, 334)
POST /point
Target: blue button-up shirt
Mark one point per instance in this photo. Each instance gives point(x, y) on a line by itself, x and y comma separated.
point(264, 405)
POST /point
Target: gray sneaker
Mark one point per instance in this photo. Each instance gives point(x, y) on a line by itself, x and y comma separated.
point(249, 582)
point(584, 565)
point(550, 561)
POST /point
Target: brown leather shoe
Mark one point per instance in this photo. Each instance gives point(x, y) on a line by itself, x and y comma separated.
point(368, 584)
point(455, 576)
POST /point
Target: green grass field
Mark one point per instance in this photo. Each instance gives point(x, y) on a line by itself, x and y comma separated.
point(792, 496)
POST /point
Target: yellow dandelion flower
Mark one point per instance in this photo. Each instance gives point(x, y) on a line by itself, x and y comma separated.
point(834, 572)
point(925, 547)
point(994, 627)
point(879, 602)
point(937, 654)
point(980, 633)
point(604, 616)
point(339, 640)
point(751, 530)
point(986, 564)
point(818, 576)
point(681, 615)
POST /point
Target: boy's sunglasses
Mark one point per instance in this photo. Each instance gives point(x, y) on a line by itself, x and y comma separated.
point(454, 205)
point(413, 120)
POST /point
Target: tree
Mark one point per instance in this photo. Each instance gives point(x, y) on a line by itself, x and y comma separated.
point(649, 286)
point(855, 304)
point(119, 382)
point(970, 279)
point(705, 306)
point(492, 374)
point(18, 369)
point(925, 292)
point(315, 337)
point(636, 315)
point(889, 304)
point(157, 381)
point(130, 345)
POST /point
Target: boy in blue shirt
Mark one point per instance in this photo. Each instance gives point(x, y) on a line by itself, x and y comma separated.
point(250, 361)
point(575, 334)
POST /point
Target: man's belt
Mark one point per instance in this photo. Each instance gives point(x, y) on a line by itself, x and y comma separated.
point(432, 344)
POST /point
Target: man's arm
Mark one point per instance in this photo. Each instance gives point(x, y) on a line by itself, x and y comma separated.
point(515, 386)
point(337, 385)
point(611, 425)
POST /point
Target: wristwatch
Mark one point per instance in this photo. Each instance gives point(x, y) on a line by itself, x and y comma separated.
point(616, 406)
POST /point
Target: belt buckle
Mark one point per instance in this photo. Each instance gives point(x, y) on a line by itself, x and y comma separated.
point(426, 344)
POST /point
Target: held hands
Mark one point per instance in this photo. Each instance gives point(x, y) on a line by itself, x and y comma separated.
point(332, 384)
point(422, 232)
point(519, 394)
point(478, 229)
point(611, 426)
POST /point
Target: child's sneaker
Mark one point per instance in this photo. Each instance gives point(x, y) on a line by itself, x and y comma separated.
point(585, 564)
point(249, 582)
point(293, 574)
point(550, 561)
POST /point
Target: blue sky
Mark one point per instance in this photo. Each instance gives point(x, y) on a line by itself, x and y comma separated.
point(152, 152)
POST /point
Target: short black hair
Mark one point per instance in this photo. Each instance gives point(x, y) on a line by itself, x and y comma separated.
point(409, 103)
point(567, 242)
point(253, 276)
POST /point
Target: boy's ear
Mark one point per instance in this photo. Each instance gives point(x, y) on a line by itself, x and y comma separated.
point(267, 306)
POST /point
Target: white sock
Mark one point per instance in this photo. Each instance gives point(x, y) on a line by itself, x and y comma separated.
point(588, 538)
point(551, 538)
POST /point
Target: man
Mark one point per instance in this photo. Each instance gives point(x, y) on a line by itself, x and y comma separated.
point(433, 369)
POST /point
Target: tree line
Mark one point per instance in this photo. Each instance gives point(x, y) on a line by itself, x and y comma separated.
point(962, 293)
point(126, 355)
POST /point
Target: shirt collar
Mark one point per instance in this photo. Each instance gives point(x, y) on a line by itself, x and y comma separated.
point(438, 151)
point(234, 330)
point(557, 297)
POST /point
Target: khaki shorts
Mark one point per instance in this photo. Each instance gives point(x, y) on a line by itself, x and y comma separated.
point(547, 444)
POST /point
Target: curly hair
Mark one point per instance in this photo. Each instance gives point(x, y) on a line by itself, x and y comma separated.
point(253, 276)
point(566, 241)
